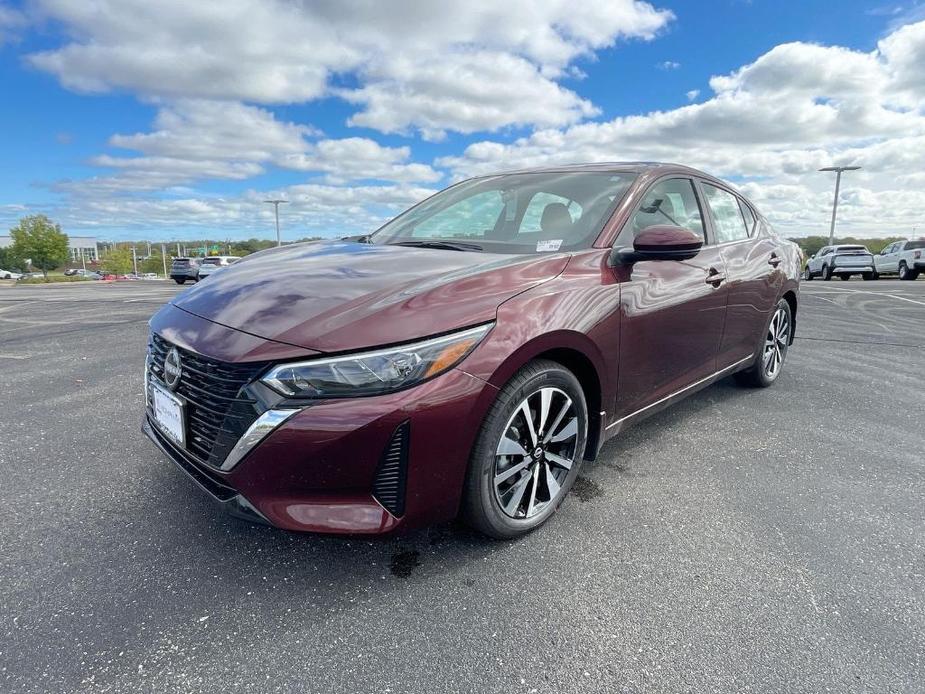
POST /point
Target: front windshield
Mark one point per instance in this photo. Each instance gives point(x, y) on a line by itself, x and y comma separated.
point(513, 213)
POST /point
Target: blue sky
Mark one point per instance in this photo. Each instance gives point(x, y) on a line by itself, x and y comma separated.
point(355, 114)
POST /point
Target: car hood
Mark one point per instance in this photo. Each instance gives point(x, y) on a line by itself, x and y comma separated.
point(341, 296)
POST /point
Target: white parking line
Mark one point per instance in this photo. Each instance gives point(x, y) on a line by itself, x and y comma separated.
point(864, 291)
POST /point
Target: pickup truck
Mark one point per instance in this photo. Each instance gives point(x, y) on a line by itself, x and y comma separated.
point(903, 258)
point(843, 260)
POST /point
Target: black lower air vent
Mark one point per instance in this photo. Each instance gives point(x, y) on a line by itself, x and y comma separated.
point(389, 485)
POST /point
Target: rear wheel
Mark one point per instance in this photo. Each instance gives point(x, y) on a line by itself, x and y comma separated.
point(826, 273)
point(773, 351)
point(528, 452)
point(845, 277)
point(905, 273)
point(868, 276)
point(179, 281)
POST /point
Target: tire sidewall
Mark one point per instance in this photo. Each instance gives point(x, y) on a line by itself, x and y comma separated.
point(482, 504)
point(762, 377)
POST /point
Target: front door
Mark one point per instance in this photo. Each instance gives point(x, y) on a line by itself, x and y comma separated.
point(673, 312)
point(754, 276)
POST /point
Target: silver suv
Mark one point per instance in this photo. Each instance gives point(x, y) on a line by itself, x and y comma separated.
point(844, 261)
point(182, 269)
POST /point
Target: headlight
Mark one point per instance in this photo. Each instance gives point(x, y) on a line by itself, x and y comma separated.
point(372, 373)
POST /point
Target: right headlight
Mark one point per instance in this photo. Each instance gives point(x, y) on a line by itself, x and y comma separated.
point(375, 372)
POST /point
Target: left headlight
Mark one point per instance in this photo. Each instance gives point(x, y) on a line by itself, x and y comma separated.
point(372, 373)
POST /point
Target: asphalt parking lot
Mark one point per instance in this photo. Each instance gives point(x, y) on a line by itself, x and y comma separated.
point(742, 540)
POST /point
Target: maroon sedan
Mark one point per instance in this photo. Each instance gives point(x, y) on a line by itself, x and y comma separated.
point(471, 354)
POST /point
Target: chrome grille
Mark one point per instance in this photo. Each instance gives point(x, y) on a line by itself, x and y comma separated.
point(217, 412)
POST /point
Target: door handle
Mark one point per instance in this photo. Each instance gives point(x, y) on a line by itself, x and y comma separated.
point(714, 277)
point(774, 260)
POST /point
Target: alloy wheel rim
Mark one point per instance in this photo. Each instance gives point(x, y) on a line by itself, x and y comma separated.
point(535, 454)
point(775, 343)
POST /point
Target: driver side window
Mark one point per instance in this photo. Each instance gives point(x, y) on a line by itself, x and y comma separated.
point(671, 202)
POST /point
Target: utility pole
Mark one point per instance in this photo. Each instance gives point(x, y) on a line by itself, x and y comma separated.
point(83, 259)
point(164, 258)
point(838, 172)
point(276, 204)
point(134, 261)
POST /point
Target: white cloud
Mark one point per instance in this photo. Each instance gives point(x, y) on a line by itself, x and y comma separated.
point(11, 23)
point(795, 109)
point(692, 94)
point(197, 139)
point(315, 209)
point(669, 65)
point(479, 95)
point(274, 51)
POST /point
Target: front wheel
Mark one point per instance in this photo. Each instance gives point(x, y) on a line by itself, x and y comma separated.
point(807, 275)
point(770, 358)
point(179, 281)
point(845, 278)
point(528, 451)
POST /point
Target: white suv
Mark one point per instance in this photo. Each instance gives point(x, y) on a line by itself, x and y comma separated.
point(844, 261)
point(903, 258)
point(215, 262)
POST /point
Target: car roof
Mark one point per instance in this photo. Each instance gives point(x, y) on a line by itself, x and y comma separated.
point(637, 167)
point(651, 170)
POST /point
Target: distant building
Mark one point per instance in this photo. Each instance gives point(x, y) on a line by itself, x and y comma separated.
point(87, 245)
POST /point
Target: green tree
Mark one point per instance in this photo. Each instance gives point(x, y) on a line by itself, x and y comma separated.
point(153, 264)
point(118, 261)
point(10, 261)
point(41, 241)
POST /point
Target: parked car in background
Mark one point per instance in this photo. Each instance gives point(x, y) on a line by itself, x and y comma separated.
point(80, 272)
point(843, 261)
point(183, 269)
point(9, 275)
point(903, 258)
point(149, 275)
point(214, 263)
point(470, 354)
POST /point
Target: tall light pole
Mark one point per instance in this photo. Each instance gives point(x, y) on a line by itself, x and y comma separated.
point(276, 204)
point(838, 170)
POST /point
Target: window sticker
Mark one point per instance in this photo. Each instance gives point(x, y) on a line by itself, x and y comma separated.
point(550, 245)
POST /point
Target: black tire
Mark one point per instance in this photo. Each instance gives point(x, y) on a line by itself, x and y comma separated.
point(905, 273)
point(807, 275)
point(757, 375)
point(845, 278)
point(179, 281)
point(481, 506)
point(868, 276)
point(826, 273)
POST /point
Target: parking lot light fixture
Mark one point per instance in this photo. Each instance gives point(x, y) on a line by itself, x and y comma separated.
point(276, 204)
point(838, 172)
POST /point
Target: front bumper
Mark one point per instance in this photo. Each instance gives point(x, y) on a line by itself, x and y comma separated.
point(316, 470)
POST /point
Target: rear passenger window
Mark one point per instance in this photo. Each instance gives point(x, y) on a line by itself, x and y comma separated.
point(728, 222)
point(749, 218)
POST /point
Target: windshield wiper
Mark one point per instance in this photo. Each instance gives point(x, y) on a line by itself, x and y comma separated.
point(444, 245)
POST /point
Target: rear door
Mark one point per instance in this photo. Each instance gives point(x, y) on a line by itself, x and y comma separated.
point(754, 275)
point(672, 311)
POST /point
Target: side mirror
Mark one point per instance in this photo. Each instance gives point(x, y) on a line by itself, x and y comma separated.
point(659, 243)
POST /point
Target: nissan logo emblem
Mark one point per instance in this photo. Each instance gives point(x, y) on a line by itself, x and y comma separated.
point(173, 369)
